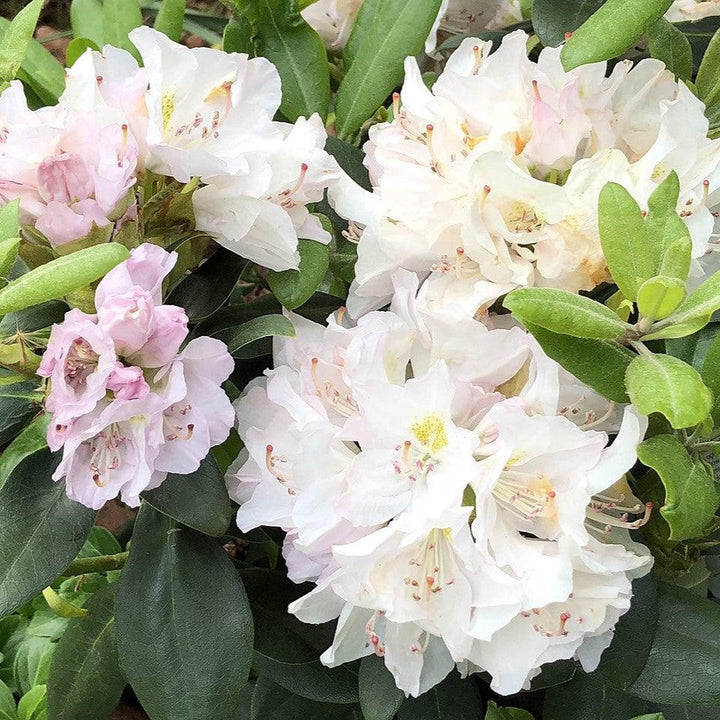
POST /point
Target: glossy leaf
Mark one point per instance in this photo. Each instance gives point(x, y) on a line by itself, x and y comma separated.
point(361, 28)
point(691, 498)
point(178, 497)
point(380, 697)
point(85, 681)
point(183, 622)
point(256, 329)
point(61, 276)
point(283, 37)
point(565, 313)
point(36, 514)
point(31, 440)
point(16, 39)
point(452, 699)
point(684, 663)
point(668, 44)
point(272, 702)
point(398, 30)
point(611, 30)
point(295, 287)
point(624, 239)
point(552, 19)
point(86, 20)
point(506, 713)
point(664, 384)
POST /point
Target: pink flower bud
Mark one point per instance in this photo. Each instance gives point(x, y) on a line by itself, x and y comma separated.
point(129, 319)
point(164, 343)
point(128, 383)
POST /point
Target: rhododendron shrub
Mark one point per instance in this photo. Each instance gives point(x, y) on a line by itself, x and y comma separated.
point(360, 359)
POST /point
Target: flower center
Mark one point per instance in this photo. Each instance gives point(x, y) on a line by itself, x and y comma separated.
point(430, 433)
point(175, 425)
point(431, 567)
point(526, 496)
point(277, 466)
point(80, 363)
point(105, 453)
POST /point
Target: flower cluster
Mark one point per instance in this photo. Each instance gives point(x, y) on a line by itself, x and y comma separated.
point(128, 406)
point(451, 491)
point(189, 114)
point(490, 180)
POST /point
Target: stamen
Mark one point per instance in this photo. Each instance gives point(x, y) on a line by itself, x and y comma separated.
point(396, 104)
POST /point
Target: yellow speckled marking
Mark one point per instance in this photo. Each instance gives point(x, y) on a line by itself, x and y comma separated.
point(430, 432)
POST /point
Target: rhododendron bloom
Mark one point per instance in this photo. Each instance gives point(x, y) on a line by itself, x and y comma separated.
point(128, 406)
point(491, 180)
point(692, 10)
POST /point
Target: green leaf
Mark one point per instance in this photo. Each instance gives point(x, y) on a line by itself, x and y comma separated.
point(183, 622)
point(295, 287)
point(611, 30)
point(32, 705)
point(684, 663)
point(40, 71)
point(551, 19)
point(85, 682)
point(710, 374)
point(624, 239)
point(31, 440)
point(16, 39)
point(677, 258)
point(622, 663)
point(36, 514)
point(61, 276)
point(9, 220)
point(32, 662)
point(8, 710)
point(506, 713)
point(380, 697)
point(664, 384)
point(260, 327)
point(660, 296)
point(76, 49)
point(363, 24)
point(100, 542)
point(586, 698)
point(669, 45)
point(237, 36)
point(178, 497)
point(690, 495)
point(350, 158)
point(209, 287)
point(170, 17)
point(707, 81)
point(272, 702)
point(283, 37)
point(86, 20)
point(565, 313)
point(693, 315)
point(598, 363)
point(651, 716)
point(452, 699)
point(119, 18)
point(398, 30)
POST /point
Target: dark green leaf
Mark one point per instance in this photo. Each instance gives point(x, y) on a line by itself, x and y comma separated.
point(36, 515)
point(31, 440)
point(349, 158)
point(295, 287)
point(668, 44)
point(76, 48)
point(363, 24)
point(100, 542)
point(452, 699)
point(207, 289)
point(380, 697)
point(399, 29)
point(283, 37)
point(684, 662)
point(272, 702)
point(611, 30)
point(598, 363)
point(237, 36)
point(565, 313)
point(183, 623)
point(664, 384)
point(255, 329)
point(31, 665)
point(178, 498)
point(553, 18)
point(506, 713)
point(690, 495)
point(85, 682)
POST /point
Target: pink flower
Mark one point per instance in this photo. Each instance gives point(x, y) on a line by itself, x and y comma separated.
point(199, 414)
point(129, 319)
point(128, 383)
point(112, 450)
point(79, 359)
point(147, 268)
point(170, 329)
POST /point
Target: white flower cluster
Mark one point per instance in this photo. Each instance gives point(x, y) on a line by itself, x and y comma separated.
point(449, 489)
point(490, 180)
point(206, 114)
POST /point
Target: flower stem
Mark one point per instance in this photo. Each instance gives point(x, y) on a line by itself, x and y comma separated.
point(101, 563)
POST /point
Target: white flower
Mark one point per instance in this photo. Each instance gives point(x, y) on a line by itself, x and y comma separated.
point(692, 10)
point(490, 181)
point(207, 109)
point(260, 214)
point(333, 20)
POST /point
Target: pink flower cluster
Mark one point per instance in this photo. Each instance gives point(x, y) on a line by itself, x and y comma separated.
point(128, 406)
point(70, 170)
